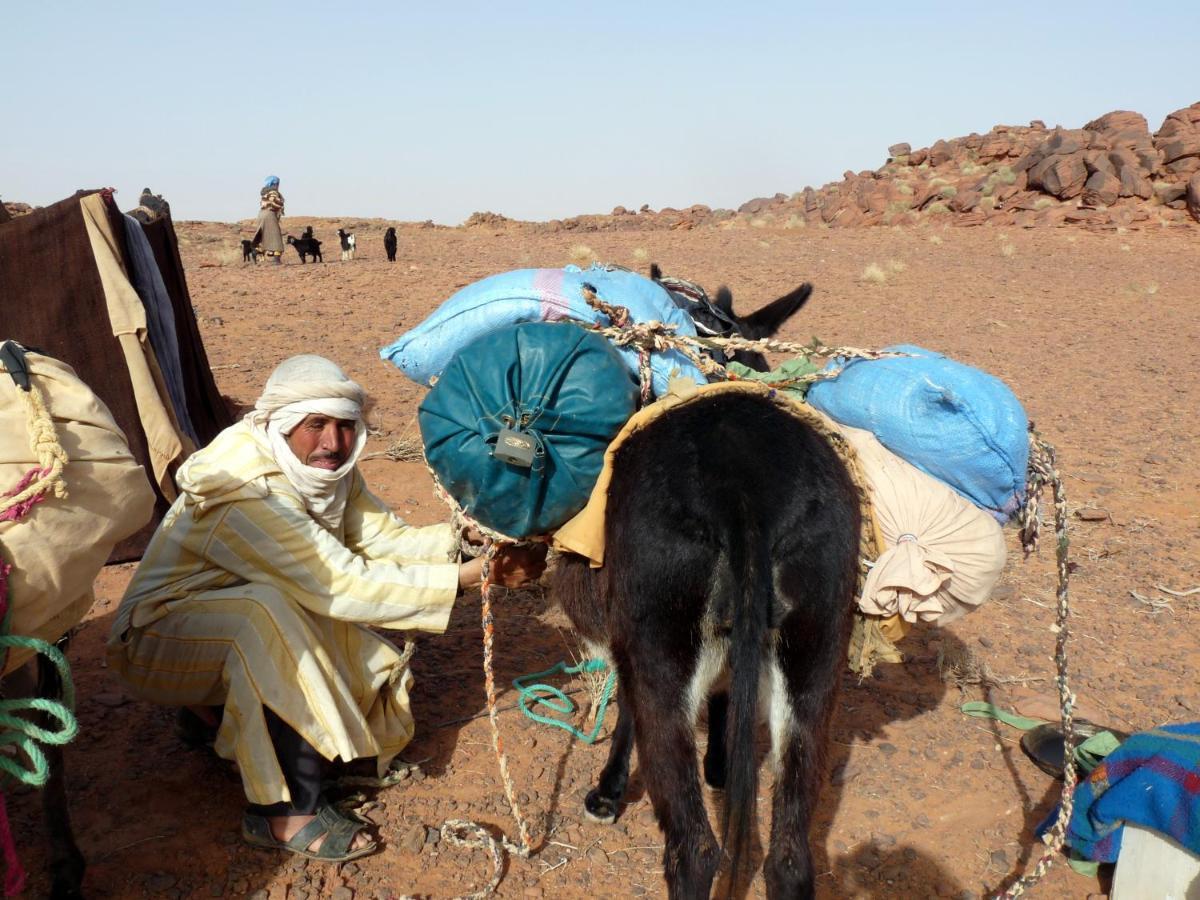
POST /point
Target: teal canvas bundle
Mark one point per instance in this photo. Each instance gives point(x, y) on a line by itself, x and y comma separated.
point(517, 425)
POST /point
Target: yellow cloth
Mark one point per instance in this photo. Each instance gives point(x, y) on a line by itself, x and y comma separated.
point(942, 554)
point(166, 442)
point(59, 546)
point(243, 599)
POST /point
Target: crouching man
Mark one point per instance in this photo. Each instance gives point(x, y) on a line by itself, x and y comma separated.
point(255, 594)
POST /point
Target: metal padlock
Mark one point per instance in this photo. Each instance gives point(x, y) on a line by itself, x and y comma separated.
point(514, 447)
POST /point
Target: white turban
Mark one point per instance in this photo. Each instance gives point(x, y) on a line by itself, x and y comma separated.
point(299, 387)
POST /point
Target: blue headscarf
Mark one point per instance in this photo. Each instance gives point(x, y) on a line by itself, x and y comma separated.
point(272, 181)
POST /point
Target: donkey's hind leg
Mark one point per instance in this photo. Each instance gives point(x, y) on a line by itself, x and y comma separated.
point(603, 802)
point(798, 724)
point(66, 862)
point(666, 747)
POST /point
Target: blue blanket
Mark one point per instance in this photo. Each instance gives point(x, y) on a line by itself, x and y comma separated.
point(1153, 779)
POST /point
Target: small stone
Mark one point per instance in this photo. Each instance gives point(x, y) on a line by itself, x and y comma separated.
point(432, 836)
point(883, 839)
point(921, 821)
point(260, 894)
point(985, 641)
point(533, 891)
point(597, 855)
point(999, 859)
point(342, 893)
point(349, 870)
point(417, 774)
point(887, 749)
point(414, 839)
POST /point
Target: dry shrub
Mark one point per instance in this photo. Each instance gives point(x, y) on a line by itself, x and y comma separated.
point(641, 254)
point(873, 274)
point(935, 240)
point(795, 221)
point(582, 255)
point(1008, 250)
point(895, 265)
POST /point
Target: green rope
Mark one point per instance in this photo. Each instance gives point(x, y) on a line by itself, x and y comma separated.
point(548, 695)
point(14, 729)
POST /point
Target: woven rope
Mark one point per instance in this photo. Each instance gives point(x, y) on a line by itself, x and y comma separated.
point(50, 456)
point(1043, 470)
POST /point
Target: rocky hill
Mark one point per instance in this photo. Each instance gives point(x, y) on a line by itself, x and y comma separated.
point(1113, 172)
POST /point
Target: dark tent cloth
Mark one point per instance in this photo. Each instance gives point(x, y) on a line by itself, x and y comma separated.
point(207, 407)
point(52, 299)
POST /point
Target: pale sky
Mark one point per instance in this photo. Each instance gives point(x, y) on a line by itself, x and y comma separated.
point(542, 110)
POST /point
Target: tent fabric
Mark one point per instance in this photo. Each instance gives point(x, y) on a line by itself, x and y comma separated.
point(160, 318)
point(207, 409)
point(58, 546)
point(52, 298)
point(127, 317)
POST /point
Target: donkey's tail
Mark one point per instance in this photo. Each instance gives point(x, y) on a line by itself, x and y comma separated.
point(753, 588)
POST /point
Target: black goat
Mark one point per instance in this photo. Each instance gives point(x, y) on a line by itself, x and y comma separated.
point(389, 244)
point(306, 246)
point(716, 317)
point(249, 251)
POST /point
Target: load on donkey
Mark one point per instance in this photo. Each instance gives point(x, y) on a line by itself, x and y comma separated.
point(712, 543)
point(104, 389)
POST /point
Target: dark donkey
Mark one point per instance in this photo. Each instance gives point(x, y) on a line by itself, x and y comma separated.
point(715, 317)
point(731, 562)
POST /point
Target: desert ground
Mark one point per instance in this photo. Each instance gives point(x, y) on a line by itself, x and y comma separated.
point(1096, 332)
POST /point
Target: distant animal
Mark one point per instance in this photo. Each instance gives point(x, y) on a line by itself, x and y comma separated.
point(389, 244)
point(308, 231)
point(716, 317)
point(348, 244)
point(306, 246)
point(731, 562)
point(250, 251)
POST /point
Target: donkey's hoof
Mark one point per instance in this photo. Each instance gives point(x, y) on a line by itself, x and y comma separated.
point(600, 808)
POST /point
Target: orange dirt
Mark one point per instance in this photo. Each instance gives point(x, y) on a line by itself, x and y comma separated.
point(1097, 334)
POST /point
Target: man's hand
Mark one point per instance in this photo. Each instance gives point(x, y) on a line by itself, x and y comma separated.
point(515, 566)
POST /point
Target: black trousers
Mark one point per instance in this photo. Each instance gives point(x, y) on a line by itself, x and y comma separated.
point(303, 768)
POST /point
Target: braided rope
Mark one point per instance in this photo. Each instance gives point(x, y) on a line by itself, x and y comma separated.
point(1042, 471)
point(51, 459)
point(649, 337)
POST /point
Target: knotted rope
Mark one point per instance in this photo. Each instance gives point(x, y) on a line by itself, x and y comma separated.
point(1043, 471)
point(50, 456)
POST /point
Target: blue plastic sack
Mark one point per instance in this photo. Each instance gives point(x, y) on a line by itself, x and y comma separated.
point(533, 295)
point(561, 385)
point(958, 424)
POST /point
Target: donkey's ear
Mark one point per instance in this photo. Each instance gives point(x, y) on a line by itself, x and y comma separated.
point(768, 320)
point(655, 272)
point(724, 300)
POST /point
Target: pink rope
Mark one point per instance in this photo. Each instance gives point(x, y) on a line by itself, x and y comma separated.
point(22, 509)
point(14, 874)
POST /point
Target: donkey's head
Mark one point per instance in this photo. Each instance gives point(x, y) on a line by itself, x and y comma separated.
point(716, 317)
point(762, 323)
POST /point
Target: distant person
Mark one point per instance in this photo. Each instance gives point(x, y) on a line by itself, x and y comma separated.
point(308, 233)
point(389, 244)
point(269, 235)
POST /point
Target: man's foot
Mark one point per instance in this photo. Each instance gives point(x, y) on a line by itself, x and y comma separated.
point(328, 836)
point(284, 828)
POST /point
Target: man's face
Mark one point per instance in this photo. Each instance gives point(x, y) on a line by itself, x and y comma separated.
point(323, 442)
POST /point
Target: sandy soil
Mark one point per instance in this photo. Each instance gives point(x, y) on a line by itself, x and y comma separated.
point(1095, 332)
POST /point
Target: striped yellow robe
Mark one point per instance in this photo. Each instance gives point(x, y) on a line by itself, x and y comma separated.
point(243, 599)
